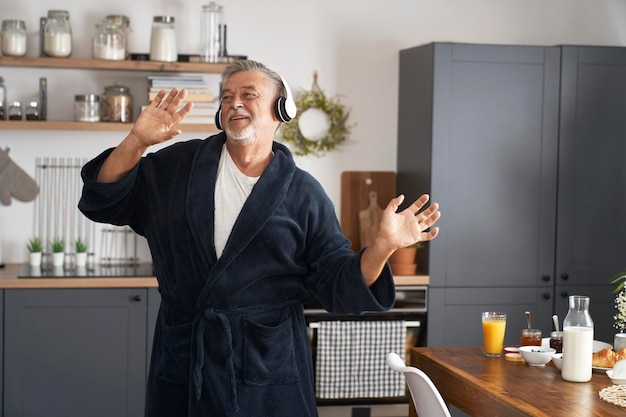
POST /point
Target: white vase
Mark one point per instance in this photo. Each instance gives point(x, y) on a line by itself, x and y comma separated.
point(35, 258)
point(57, 258)
point(81, 258)
point(619, 342)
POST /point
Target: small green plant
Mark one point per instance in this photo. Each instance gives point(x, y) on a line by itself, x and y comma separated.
point(80, 246)
point(34, 245)
point(58, 245)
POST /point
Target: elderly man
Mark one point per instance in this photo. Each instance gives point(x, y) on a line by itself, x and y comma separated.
point(240, 239)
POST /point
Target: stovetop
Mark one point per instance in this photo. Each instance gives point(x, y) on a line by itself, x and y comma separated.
point(48, 271)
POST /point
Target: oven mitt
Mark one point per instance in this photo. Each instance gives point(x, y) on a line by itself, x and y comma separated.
point(14, 181)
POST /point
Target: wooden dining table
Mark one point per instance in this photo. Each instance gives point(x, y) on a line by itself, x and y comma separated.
point(484, 386)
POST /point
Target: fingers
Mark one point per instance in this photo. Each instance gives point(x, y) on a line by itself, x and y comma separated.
point(169, 102)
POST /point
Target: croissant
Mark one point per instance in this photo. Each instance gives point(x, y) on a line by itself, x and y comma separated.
point(621, 354)
point(604, 358)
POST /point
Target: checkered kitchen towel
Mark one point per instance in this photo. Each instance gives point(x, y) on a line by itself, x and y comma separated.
point(351, 359)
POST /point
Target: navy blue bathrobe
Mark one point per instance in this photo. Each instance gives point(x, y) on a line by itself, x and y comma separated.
point(231, 338)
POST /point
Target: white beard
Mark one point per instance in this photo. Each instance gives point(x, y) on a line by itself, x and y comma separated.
point(245, 136)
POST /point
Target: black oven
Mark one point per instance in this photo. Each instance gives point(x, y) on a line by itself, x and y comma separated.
point(411, 307)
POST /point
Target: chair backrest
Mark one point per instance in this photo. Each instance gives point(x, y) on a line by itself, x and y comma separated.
point(426, 397)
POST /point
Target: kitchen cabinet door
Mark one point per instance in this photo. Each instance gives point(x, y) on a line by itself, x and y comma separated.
point(591, 244)
point(454, 315)
point(75, 352)
point(478, 130)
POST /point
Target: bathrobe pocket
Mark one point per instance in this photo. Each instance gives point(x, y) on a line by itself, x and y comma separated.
point(173, 353)
point(269, 354)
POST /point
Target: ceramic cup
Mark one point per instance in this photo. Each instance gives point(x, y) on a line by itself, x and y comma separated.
point(619, 342)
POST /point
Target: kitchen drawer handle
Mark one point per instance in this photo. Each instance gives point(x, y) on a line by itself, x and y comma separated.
point(137, 297)
point(546, 278)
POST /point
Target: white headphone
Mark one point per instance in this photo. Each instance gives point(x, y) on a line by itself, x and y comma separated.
point(284, 107)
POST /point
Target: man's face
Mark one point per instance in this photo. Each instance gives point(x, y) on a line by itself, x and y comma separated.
point(247, 107)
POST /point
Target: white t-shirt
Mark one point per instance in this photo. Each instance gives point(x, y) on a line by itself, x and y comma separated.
point(232, 189)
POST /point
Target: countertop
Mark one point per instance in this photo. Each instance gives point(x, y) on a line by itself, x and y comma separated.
point(110, 277)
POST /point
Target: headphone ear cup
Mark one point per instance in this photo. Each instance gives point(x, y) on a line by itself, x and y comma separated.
point(285, 107)
point(218, 118)
point(281, 111)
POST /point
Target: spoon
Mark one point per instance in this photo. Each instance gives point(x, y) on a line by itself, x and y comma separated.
point(528, 318)
point(555, 319)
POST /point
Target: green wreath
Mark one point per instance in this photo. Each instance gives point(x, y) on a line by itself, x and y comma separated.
point(313, 106)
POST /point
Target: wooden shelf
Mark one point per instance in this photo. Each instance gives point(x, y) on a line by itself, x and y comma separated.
point(103, 126)
point(102, 64)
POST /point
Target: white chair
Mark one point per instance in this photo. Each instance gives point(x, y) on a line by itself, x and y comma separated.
point(426, 397)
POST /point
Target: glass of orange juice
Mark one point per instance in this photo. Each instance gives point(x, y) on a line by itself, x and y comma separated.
point(494, 325)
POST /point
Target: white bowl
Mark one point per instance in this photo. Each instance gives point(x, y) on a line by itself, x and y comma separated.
point(557, 360)
point(615, 381)
point(536, 355)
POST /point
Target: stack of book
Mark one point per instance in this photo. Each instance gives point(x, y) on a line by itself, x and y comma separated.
point(200, 93)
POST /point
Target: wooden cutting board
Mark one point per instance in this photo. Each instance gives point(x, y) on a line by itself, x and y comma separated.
point(356, 187)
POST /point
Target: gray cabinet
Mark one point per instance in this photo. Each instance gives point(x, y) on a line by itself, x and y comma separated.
point(74, 352)
point(503, 137)
point(591, 228)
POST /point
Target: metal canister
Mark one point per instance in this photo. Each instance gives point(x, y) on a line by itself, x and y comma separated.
point(117, 104)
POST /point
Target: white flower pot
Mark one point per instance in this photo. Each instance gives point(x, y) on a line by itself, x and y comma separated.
point(35, 258)
point(81, 259)
point(57, 258)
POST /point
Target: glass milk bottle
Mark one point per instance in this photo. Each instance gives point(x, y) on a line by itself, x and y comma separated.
point(577, 340)
point(57, 38)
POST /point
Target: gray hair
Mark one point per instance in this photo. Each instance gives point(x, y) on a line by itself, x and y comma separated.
point(249, 65)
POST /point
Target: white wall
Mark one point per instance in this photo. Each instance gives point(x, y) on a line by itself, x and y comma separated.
point(353, 45)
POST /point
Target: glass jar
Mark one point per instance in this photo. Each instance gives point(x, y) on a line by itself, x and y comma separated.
point(15, 110)
point(32, 110)
point(57, 38)
point(109, 42)
point(124, 22)
point(210, 37)
point(3, 100)
point(13, 38)
point(87, 108)
point(163, 39)
point(117, 104)
point(577, 340)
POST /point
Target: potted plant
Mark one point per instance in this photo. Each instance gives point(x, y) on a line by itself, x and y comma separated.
point(58, 248)
point(81, 252)
point(620, 304)
point(34, 247)
point(403, 262)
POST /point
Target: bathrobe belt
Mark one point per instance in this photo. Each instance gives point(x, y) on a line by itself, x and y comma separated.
point(213, 361)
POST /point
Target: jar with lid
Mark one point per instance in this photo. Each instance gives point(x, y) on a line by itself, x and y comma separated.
point(13, 38)
point(109, 42)
point(15, 110)
point(87, 108)
point(32, 110)
point(210, 38)
point(57, 37)
point(163, 39)
point(124, 22)
point(577, 340)
point(117, 104)
point(3, 100)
